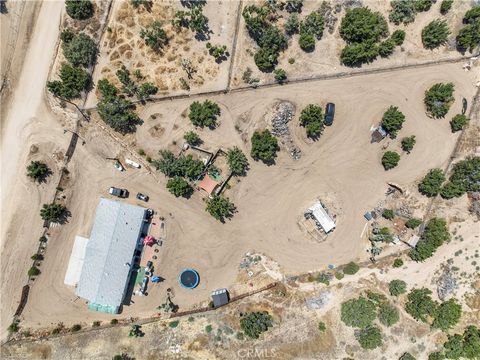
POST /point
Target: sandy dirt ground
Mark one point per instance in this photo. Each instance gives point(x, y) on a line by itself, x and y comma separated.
point(270, 199)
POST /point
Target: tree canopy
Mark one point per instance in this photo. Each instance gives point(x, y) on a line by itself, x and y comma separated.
point(351, 268)
point(264, 146)
point(390, 159)
point(80, 49)
point(448, 314)
point(393, 120)
point(237, 161)
point(192, 138)
point(465, 177)
point(435, 34)
point(179, 187)
point(79, 10)
point(204, 114)
point(53, 212)
point(220, 207)
point(458, 122)
point(445, 6)
point(313, 24)
point(408, 143)
point(439, 98)
point(469, 36)
point(154, 35)
point(397, 287)
point(118, 113)
point(420, 304)
point(255, 323)
point(435, 234)
point(369, 337)
point(73, 80)
point(311, 118)
point(388, 315)
point(432, 183)
point(466, 345)
point(413, 223)
point(362, 24)
point(38, 171)
point(358, 313)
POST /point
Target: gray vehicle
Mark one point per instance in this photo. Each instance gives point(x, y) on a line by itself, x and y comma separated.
point(121, 193)
point(329, 114)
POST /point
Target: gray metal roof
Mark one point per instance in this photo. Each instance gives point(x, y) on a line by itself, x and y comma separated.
point(112, 243)
point(220, 297)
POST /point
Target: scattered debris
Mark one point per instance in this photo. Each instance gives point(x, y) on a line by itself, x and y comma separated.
point(284, 112)
point(446, 284)
point(320, 301)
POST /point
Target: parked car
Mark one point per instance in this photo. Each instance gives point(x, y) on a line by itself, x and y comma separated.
point(329, 114)
point(143, 197)
point(121, 193)
point(132, 163)
point(118, 166)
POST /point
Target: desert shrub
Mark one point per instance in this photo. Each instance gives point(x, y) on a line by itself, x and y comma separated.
point(173, 324)
point(96, 324)
point(397, 287)
point(192, 138)
point(435, 234)
point(145, 90)
point(458, 122)
point(53, 212)
point(114, 322)
point(413, 223)
point(406, 356)
point(280, 75)
point(435, 34)
point(37, 257)
point(386, 48)
point(306, 42)
point(445, 6)
point(204, 114)
point(398, 36)
point(179, 187)
point(447, 316)
point(38, 171)
point(33, 271)
point(408, 143)
point(339, 275)
point(154, 35)
point(397, 263)
point(237, 161)
point(76, 327)
point(390, 159)
point(356, 54)
point(264, 146)
point(79, 10)
point(437, 355)
point(351, 268)
point(292, 25)
point(73, 80)
point(313, 24)
point(219, 52)
point(375, 297)
point(294, 6)
point(369, 337)
point(79, 49)
point(393, 120)
point(423, 5)
point(323, 278)
point(432, 183)
point(220, 207)
point(13, 327)
point(255, 323)
point(311, 118)
point(388, 214)
point(358, 312)
point(322, 327)
point(388, 314)
point(208, 329)
point(403, 11)
point(420, 304)
point(438, 99)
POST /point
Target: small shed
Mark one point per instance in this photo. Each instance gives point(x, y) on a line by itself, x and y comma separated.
point(378, 134)
point(220, 297)
point(368, 216)
point(208, 184)
point(321, 216)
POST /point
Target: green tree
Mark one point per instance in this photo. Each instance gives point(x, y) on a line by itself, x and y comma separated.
point(465, 177)
point(79, 50)
point(179, 187)
point(423, 5)
point(432, 183)
point(189, 167)
point(292, 25)
point(361, 24)
point(435, 34)
point(237, 161)
point(445, 6)
point(220, 207)
point(280, 75)
point(33, 271)
point(204, 114)
point(273, 39)
point(129, 86)
point(369, 337)
point(79, 10)
point(219, 52)
point(106, 89)
point(386, 48)
point(439, 98)
point(117, 113)
point(397, 263)
point(264, 146)
point(447, 315)
point(154, 35)
point(435, 234)
point(468, 37)
point(451, 190)
point(255, 323)
point(306, 42)
point(356, 54)
point(413, 223)
point(265, 59)
point(192, 138)
point(398, 36)
point(13, 327)
point(37, 257)
point(390, 159)
point(146, 90)
point(313, 24)
point(358, 313)
point(408, 143)
point(458, 122)
point(38, 171)
point(403, 11)
point(393, 120)
point(67, 35)
point(436, 356)
point(167, 164)
point(294, 6)
point(397, 287)
point(351, 268)
point(388, 315)
point(73, 81)
point(388, 214)
point(466, 345)
point(76, 327)
point(53, 212)
point(322, 327)
point(420, 304)
point(311, 118)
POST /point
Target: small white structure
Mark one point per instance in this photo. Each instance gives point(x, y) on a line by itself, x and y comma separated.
point(75, 264)
point(322, 217)
point(132, 163)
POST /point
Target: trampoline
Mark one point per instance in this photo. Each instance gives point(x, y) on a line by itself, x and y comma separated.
point(189, 279)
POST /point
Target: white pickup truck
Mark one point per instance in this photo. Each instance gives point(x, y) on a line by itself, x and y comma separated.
point(132, 163)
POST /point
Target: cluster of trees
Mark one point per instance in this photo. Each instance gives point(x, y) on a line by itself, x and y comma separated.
point(392, 121)
point(204, 114)
point(439, 98)
point(53, 212)
point(220, 207)
point(404, 11)
point(269, 38)
point(79, 10)
point(421, 306)
point(79, 48)
point(264, 146)
point(390, 159)
point(73, 80)
point(435, 234)
point(193, 19)
point(435, 34)
point(465, 346)
point(38, 171)
point(255, 323)
point(469, 36)
point(130, 88)
point(311, 118)
point(363, 31)
point(154, 35)
point(311, 29)
point(219, 52)
point(465, 177)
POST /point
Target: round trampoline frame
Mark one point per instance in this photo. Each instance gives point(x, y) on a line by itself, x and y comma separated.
point(195, 283)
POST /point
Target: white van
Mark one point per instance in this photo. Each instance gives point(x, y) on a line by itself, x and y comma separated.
point(132, 163)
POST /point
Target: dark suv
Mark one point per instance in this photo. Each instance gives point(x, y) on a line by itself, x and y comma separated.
point(329, 114)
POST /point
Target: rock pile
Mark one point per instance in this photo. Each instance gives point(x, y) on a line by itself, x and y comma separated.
point(283, 114)
point(446, 284)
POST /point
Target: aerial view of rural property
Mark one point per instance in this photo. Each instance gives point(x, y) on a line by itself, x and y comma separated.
point(240, 179)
